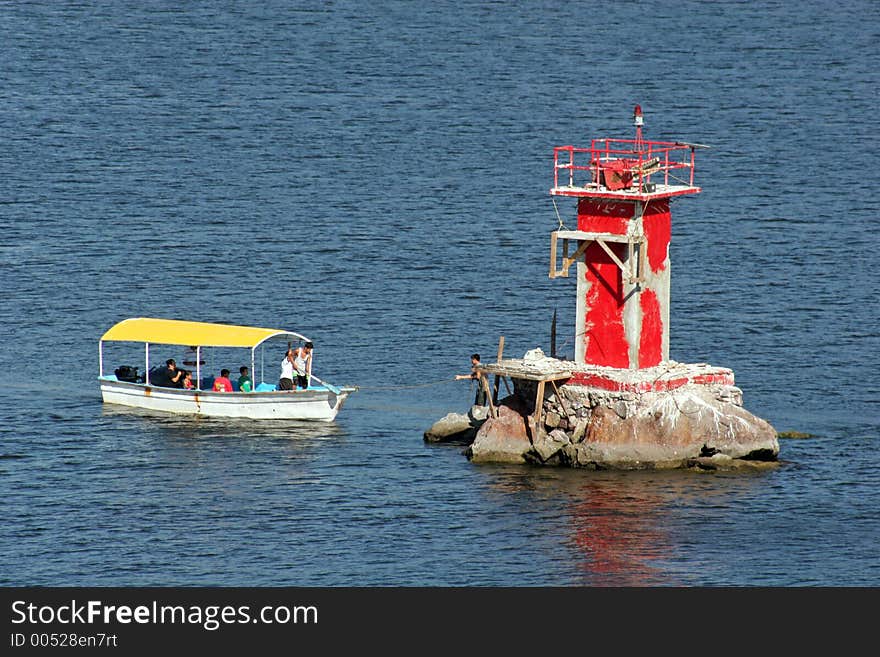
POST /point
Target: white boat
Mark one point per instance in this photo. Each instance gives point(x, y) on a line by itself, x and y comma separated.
point(318, 402)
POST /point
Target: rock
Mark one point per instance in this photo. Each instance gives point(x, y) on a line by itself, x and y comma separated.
point(534, 354)
point(548, 444)
point(502, 439)
point(604, 456)
point(580, 430)
point(478, 415)
point(683, 424)
point(453, 427)
point(731, 394)
point(794, 434)
point(698, 427)
point(725, 463)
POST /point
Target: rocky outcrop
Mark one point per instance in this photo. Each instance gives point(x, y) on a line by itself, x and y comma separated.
point(502, 439)
point(697, 426)
point(456, 427)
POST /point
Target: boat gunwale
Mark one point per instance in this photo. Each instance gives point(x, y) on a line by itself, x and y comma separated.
point(235, 394)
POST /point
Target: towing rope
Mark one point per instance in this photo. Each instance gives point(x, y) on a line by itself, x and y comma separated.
point(415, 385)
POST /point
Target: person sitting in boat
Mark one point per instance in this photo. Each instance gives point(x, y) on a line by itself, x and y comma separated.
point(222, 382)
point(245, 383)
point(188, 380)
point(302, 363)
point(286, 380)
point(168, 376)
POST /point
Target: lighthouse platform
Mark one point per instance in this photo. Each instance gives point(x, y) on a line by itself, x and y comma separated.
point(674, 415)
point(646, 192)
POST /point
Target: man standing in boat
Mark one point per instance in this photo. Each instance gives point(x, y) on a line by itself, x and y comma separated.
point(302, 363)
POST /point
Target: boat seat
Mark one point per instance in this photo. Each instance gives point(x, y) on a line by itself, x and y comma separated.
point(265, 387)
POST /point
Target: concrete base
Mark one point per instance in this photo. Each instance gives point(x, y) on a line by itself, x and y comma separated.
point(671, 416)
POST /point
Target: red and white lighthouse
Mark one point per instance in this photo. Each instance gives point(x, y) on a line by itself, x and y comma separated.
point(621, 402)
point(620, 248)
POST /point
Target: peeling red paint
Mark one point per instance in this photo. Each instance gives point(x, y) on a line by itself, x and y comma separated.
point(605, 339)
point(599, 381)
point(724, 378)
point(657, 224)
point(651, 338)
point(604, 216)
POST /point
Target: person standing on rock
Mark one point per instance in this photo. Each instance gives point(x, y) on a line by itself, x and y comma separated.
point(480, 397)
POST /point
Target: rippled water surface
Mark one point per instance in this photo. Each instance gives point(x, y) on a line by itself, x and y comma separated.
point(375, 176)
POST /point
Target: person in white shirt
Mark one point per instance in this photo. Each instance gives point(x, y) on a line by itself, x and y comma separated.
point(286, 380)
point(302, 363)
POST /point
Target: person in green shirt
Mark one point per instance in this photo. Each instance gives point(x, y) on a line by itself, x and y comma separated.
point(245, 384)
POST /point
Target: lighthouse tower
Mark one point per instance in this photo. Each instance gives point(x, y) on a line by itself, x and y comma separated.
point(620, 248)
point(621, 402)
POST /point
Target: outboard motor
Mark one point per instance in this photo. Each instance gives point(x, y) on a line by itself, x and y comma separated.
point(127, 373)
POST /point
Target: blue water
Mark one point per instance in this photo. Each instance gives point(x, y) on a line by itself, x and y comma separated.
point(375, 176)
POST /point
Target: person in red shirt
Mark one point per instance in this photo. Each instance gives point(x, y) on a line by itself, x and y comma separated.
point(222, 382)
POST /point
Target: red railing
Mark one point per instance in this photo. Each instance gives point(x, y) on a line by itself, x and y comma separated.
point(622, 163)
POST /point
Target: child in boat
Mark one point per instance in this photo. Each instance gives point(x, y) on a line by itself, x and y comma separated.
point(222, 382)
point(188, 380)
point(245, 384)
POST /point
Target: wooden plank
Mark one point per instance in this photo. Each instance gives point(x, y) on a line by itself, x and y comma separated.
point(633, 277)
point(642, 260)
point(564, 272)
point(515, 372)
point(554, 272)
point(539, 406)
point(584, 240)
point(583, 235)
point(558, 396)
point(484, 381)
point(612, 255)
point(497, 384)
point(568, 262)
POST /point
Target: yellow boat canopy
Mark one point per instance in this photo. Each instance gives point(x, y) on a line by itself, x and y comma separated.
point(195, 334)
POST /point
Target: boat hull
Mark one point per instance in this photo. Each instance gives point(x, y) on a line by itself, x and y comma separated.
point(318, 404)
